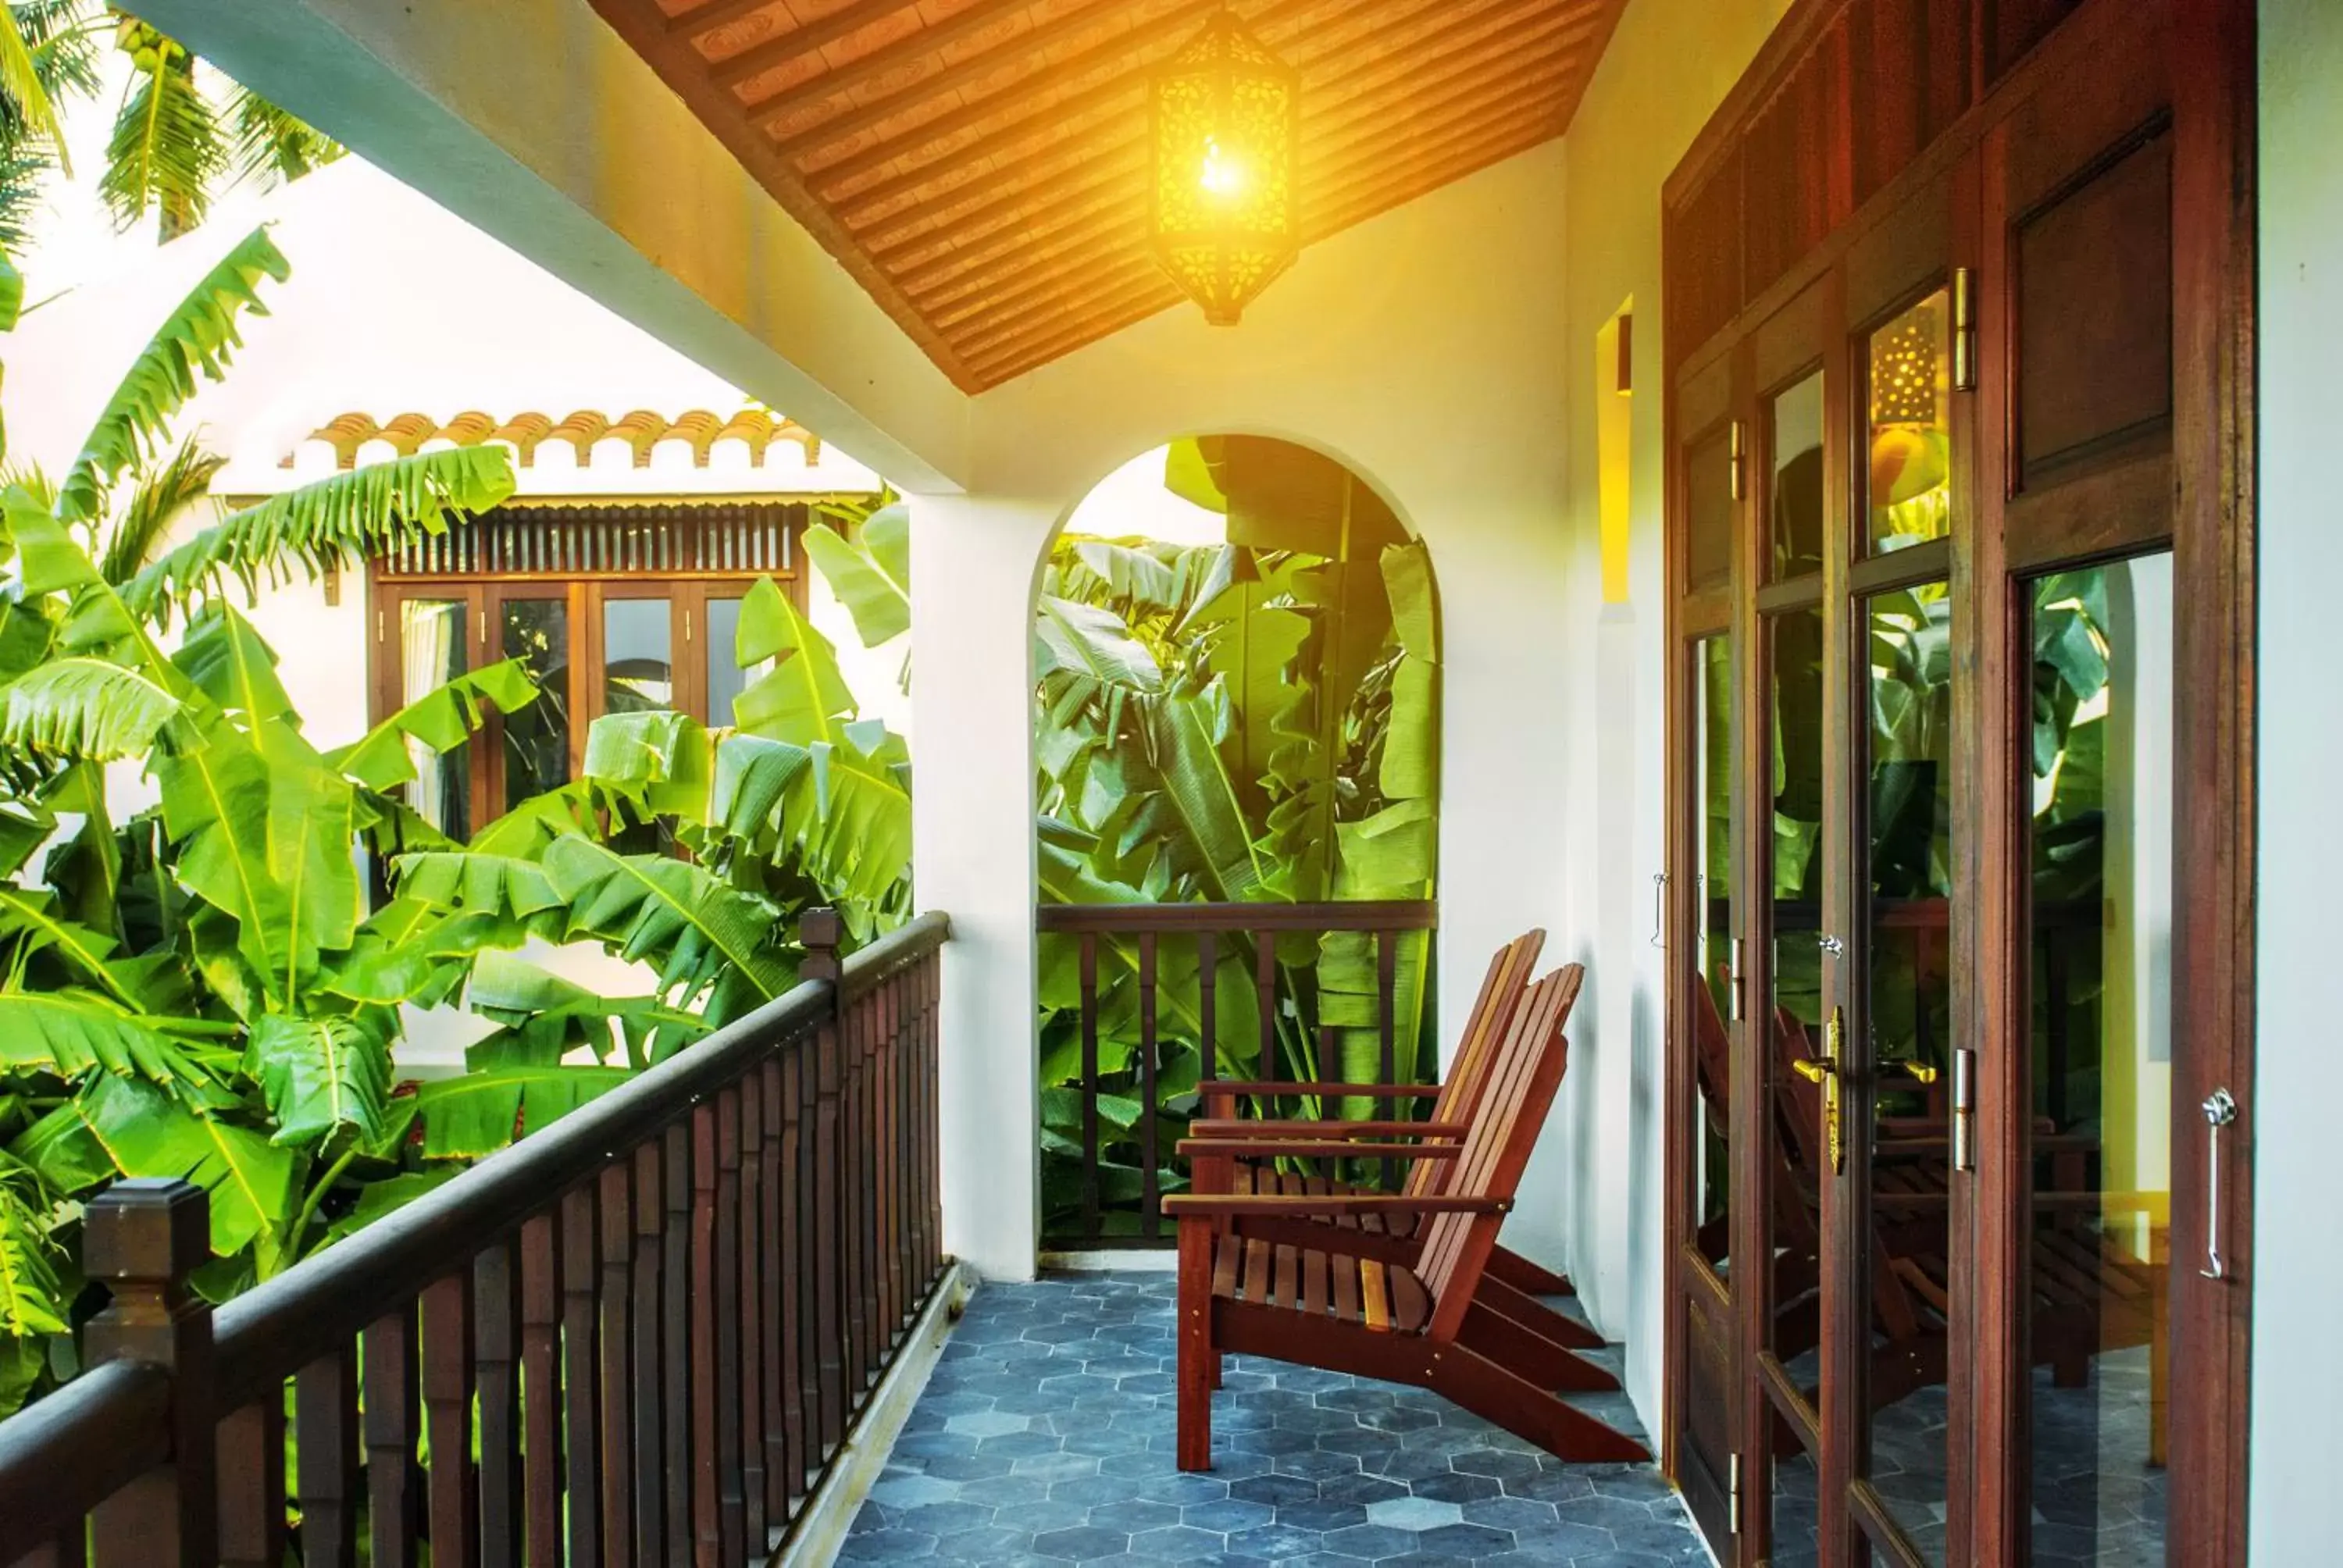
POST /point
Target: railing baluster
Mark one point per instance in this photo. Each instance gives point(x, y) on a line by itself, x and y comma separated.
point(540, 1349)
point(801, 1404)
point(650, 1479)
point(675, 1335)
point(451, 1485)
point(250, 1443)
point(773, 1259)
point(829, 1276)
point(613, 1407)
point(931, 1138)
point(496, 1317)
point(750, 1312)
point(1208, 1002)
point(898, 1222)
point(708, 1534)
point(325, 1453)
point(1264, 1000)
point(725, 1301)
point(1387, 1022)
point(390, 1431)
point(886, 1271)
point(578, 1367)
point(1151, 1200)
point(1091, 1214)
point(854, 1319)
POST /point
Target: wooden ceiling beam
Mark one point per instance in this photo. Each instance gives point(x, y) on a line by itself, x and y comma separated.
point(1024, 46)
point(1121, 137)
point(969, 227)
point(703, 20)
point(955, 275)
point(1361, 109)
point(997, 327)
point(931, 39)
point(1134, 131)
point(1110, 248)
point(759, 58)
point(1104, 322)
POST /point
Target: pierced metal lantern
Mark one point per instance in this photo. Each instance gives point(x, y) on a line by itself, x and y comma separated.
point(1223, 216)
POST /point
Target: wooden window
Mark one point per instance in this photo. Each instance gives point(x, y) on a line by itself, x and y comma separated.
point(614, 609)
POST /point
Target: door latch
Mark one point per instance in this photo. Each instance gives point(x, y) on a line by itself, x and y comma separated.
point(2220, 1108)
point(1824, 1071)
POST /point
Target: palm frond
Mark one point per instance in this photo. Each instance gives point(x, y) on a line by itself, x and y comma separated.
point(197, 338)
point(26, 93)
point(274, 146)
point(167, 151)
point(339, 522)
point(155, 507)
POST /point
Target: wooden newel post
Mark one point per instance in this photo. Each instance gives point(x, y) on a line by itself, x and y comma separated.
point(144, 1238)
point(819, 931)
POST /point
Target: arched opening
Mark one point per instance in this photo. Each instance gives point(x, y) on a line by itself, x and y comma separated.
point(1237, 784)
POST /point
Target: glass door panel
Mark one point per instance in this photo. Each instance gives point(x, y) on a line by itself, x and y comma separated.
point(1712, 830)
point(637, 654)
point(435, 647)
point(1794, 536)
point(1905, 1024)
point(537, 739)
point(1908, 365)
point(2099, 982)
point(1789, 1027)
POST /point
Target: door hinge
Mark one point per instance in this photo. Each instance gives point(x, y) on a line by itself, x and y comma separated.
point(378, 626)
point(1733, 1498)
point(1735, 993)
point(484, 628)
point(1964, 1111)
point(1965, 339)
point(687, 627)
point(1738, 444)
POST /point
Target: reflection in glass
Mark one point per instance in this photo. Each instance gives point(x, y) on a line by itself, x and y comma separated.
point(537, 739)
point(1792, 1012)
point(2100, 984)
point(1910, 376)
point(1909, 1008)
point(637, 654)
point(434, 650)
point(1796, 535)
point(726, 678)
point(1712, 915)
point(1708, 511)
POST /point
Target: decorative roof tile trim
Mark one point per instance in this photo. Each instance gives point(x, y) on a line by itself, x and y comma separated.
point(642, 430)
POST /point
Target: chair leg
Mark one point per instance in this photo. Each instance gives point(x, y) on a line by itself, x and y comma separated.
point(1536, 1315)
point(1529, 1355)
point(1495, 1394)
point(1524, 1275)
point(1215, 1364)
point(1198, 1360)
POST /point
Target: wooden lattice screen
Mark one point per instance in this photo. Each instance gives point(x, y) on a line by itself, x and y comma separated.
point(610, 541)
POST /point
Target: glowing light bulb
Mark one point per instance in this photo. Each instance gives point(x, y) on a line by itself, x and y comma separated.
point(1222, 175)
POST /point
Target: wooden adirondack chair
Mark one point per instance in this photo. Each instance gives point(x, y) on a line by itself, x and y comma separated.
point(1419, 1323)
point(1453, 1104)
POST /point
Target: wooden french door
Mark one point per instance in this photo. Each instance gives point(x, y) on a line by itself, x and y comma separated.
point(1960, 1195)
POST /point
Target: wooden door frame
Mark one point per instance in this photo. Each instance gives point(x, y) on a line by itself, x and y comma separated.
point(2212, 44)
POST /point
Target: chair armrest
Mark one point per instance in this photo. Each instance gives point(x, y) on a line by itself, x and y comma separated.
point(1321, 1091)
point(1243, 1131)
point(1217, 1206)
point(1306, 1149)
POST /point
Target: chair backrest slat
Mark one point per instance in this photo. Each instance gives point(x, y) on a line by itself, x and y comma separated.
point(1493, 1010)
point(1524, 1074)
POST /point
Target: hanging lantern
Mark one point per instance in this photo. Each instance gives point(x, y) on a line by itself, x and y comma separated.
point(1222, 215)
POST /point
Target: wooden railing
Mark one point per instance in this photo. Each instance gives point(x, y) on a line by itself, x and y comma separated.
point(1144, 930)
point(652, 1323)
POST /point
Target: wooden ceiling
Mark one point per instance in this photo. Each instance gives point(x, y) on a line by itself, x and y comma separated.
point(980, 165)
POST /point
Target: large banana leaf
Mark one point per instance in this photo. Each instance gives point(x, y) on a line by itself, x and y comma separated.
point(75, 1033)
point(1092, 645)
point(702, 937)
point(1200, 813)
point(335, 522)
point(233, 665)
point(484, 1110)
point(198, 337)
point(509, 887)
point(86, 710)
point(803, 699)
point(251, 1182)
point(321, 1074)
point(871, 575)
point(32, 917)
point(441, 720)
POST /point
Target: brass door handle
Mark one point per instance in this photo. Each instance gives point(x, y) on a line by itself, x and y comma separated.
point(1823, 1070)
point(1920, 1071)
point(1813, 1068)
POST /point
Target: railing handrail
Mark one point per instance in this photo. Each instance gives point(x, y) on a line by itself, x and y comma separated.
point(1353, 914)
point(270, 1333)
point(67, 1453)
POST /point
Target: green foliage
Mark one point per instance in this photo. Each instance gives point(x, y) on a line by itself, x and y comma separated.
point(201, 990)
point(1253, 722)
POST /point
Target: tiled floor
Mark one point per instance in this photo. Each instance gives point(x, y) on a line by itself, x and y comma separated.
point(1045, 1438)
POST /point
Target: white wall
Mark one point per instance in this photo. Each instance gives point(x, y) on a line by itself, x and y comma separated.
point(2297, 1379)
point(1667, 67)
point(1429, 364)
